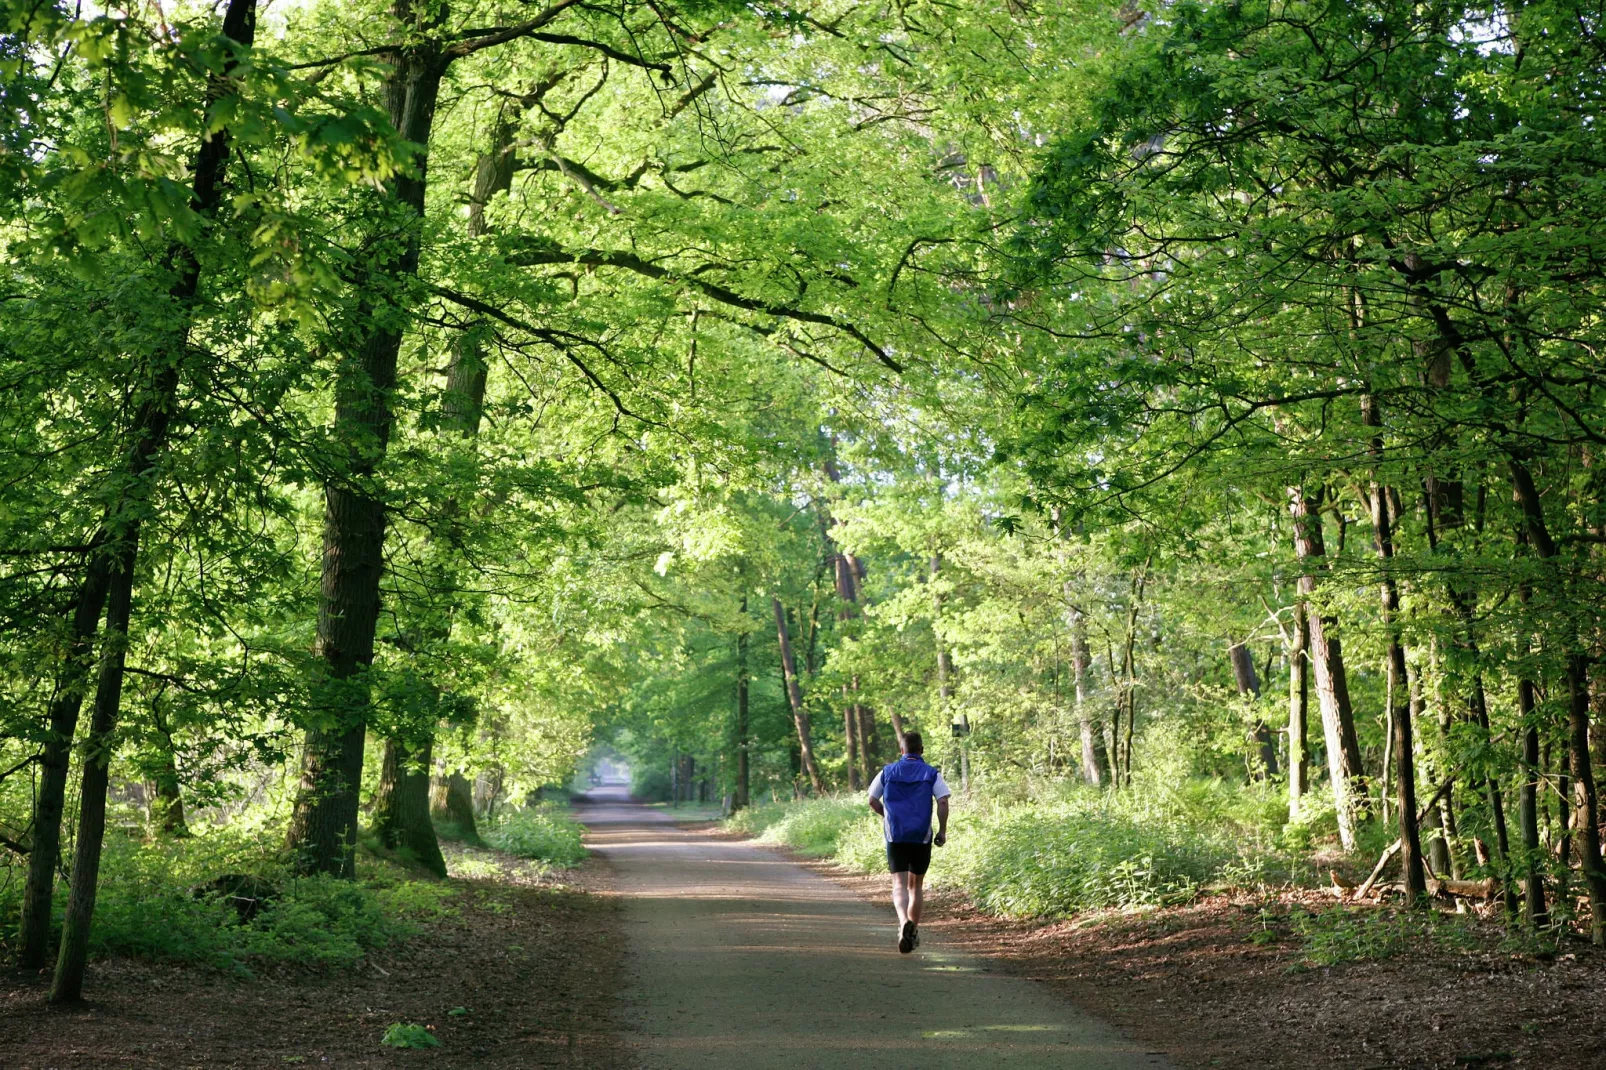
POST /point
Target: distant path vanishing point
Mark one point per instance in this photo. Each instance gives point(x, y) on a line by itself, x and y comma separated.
point(738, 957)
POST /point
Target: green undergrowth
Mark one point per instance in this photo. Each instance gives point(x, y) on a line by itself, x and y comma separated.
point(1040, 850)
point(1345, 935)
point(153, 904)
point(544, 833)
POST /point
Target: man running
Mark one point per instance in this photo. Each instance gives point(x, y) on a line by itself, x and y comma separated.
point(902, 794)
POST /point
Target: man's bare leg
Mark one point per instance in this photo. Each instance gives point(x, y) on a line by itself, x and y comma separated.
point(900, 897)
point(916, 896)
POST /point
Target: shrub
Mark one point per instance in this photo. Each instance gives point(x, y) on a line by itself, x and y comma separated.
point(812, 827)
point(153, 904)
point(544, 833)
point(1034, 848)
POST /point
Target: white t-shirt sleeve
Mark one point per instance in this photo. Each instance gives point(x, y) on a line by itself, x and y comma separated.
point(875, 787)
point(939, 788)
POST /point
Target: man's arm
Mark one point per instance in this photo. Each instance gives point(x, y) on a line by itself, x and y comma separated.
point(942, 822)
point(875, 797)
point(875, 804)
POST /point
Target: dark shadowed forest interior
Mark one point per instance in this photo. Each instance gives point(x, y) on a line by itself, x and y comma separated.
point(1190, 415)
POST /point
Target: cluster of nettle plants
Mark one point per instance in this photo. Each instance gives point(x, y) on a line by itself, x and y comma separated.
point(448, 379)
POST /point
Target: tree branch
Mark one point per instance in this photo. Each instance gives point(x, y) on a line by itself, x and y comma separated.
point(632, 262)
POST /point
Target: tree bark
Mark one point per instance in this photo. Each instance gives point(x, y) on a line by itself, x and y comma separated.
point(1095, 753)
point(743, 771)
point(403, 801)
point(68, 984)
point(1528, 809)
point(323, 827)
point(1332, 684)
point(1415, 875)
point(54, 763)
point(167, 797)
point(1298, 711)
point(1243, 671)
point(1586, 820)
point(401, 804)
point(794, 697)
point(1444, 511)
point(451, 802)
point(148, 440)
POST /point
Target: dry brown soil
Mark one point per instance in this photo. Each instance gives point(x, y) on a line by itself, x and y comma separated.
point(534, 962)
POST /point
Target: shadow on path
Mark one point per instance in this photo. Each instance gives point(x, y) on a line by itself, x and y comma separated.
point(738, 957)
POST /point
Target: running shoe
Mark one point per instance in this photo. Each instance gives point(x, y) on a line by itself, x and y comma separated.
point(914, 934)
point(908, 938)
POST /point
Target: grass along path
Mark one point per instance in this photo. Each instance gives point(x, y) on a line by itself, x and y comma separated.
point(520, 974)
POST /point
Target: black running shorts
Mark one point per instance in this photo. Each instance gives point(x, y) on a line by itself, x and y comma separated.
point(909, 857)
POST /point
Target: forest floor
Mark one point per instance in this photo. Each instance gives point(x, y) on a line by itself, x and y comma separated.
point(523, 975)
point(1228, 981)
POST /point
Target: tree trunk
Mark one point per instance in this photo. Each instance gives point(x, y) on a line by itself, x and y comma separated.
point(1586, 819)
point(1444, 511)
point(1095, 756)
point(54, 763)
point(451, 802)
point(1298, 711)
point(68, 983)
point(111, 580)
point(401, 805)
point(1528, 809)
point(167, 800)
point(743, 773)
point(1586, 811)
point(1414, 873)
point(1332, 685)
point(850, 741)
point(869, 743)
point(323, 826)
point(401, 798)
point(1243, 671)
point(794, 697)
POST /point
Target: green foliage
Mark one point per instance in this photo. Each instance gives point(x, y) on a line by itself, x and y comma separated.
point(409, 1035)
point(813, 827)
point(543, 833)
point(149, 906)
point(1345, 935)
point(1041, 850)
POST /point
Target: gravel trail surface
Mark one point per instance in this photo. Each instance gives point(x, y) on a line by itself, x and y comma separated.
point(739, 957)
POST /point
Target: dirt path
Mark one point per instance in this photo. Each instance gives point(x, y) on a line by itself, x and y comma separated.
point(738, 957)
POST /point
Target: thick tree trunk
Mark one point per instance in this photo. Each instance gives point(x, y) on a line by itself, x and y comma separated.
point(794, 698)
point(1332, 684)
point(401, 805)
point(451, 802)
point(323, 826)
point(1298, 711)
point(148, 440)
point(743, 772)
point(400, 798)
point(167, 800)
point(1243, 672)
